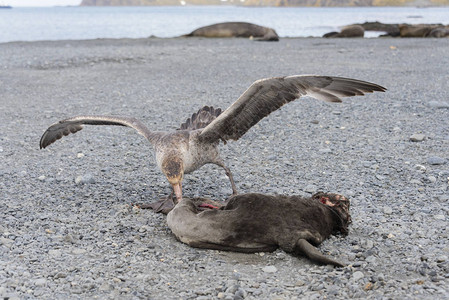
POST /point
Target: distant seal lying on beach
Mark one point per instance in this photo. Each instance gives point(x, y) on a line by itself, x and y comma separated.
point(256, 222)
point(349, 31)
point(236, 29)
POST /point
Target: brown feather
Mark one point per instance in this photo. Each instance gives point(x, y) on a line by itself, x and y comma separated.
point(201, 119)
point(75, 124)
point(267, 95)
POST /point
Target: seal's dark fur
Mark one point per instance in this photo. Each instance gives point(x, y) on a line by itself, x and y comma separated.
point(256, 222)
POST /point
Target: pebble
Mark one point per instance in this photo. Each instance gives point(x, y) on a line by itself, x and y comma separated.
point(438, 104)
point(310, 188)
point(41, 178)
point(441, 258)
point(432, 179)
point(269, 269)
point(420, 168)
point(417, 137)
point(40, 282)
point(388, 210)
point(325, 150)
point(371, 259)
point(439, 217)
point(6, 242)
point(85, 179)
point(358, 275)
point(435, 160)
point(416, 181)
point(54, 252)
point(79, 251)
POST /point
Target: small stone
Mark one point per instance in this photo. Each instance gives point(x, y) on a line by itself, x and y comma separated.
point(417, 137)
point(60, 275)
point(270, 269)
point(300, 283)
point(439, 217)
point(388, 210)
point(358, 275)
point(435, 160)
point(105, 287)
point(79, 251)
point(432, 179)
point(41, 178)
point(370, 259)
point(325, 150)
point(84, 179)
point(420, 168)
point(40, 282)
point(54, 252)
point(310, 188)
point(438, 104)
point(220, 295)
point(80, 155)
point(6, 242)
point(240, 294)
point(380, 177)
point(441, 259)
point(416, 181)
point(366, 163)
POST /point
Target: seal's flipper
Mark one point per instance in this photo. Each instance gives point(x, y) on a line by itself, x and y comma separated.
point(307, 249)
point(162, 206)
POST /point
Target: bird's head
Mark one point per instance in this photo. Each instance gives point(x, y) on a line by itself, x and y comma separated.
point(173, 168)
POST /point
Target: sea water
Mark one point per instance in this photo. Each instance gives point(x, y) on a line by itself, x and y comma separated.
point(61, 23)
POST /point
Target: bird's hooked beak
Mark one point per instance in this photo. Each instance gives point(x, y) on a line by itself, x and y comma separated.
point(177, 188)
point(173, 168)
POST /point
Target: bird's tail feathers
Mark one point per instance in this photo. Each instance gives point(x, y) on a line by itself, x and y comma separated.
point(201, 119)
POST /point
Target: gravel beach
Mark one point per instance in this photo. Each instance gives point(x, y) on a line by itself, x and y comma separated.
point(68, 229)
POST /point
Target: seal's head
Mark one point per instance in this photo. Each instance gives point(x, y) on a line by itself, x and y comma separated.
point(173, 168)
point(339, 205)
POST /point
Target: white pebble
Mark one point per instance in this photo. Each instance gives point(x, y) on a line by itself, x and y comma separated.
point(432, 179)
point(388, 210)
point(417, 137)
point(40, 282)
point(270, 269)
point(79, 251)
point(358, 275)
point(439, 217)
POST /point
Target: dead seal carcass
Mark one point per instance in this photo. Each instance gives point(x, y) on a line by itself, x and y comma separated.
point(236, 29)
point(256, 222)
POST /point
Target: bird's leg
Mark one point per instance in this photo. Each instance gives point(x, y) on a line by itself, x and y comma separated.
point(229, 174)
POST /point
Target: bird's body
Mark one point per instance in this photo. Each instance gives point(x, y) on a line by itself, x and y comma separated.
point(196, 142)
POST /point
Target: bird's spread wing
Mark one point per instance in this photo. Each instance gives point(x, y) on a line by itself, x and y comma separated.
point(75, 124)
point(267, 95)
